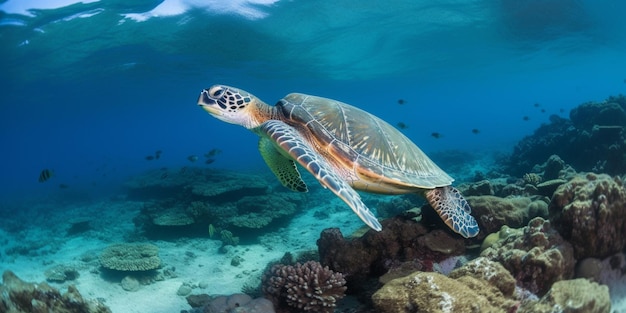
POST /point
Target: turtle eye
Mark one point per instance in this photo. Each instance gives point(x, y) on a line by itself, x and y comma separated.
point(216, 92)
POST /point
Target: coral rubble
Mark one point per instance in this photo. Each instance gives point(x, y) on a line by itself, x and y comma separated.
point(18, 296)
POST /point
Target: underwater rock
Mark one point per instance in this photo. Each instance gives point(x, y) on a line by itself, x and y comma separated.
point(537, 257)
point(589, 212)
point(373, 254)
point(547, 188)
point(434, 292)
point(494, 212)
point(18, 296)
point(130, 283)
point(572, 296)
point(479, 188)
point(130, 257)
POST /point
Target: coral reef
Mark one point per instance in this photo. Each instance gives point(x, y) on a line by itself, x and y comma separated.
point(17, 296)
point(186, 202)
point(537, 257)
point(308, 287)
point(373, 254)
point(493, 212)
point(593, 139)
point(589, 212)
point(130, 257)
point(469, 291)
point(575, 296)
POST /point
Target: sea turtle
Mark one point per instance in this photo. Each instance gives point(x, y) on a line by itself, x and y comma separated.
point(344, 147)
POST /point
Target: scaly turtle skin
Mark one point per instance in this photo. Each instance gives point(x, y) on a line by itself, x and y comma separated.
point(344, 147)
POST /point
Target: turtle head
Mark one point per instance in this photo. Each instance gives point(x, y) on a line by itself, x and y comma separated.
point(230, 105)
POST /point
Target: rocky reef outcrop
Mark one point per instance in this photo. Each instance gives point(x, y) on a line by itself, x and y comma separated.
point(18, 296)
point(537, 256)
point(590, 212)
point(592, 139)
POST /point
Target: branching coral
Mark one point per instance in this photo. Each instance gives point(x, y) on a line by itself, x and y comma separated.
point(308, 287)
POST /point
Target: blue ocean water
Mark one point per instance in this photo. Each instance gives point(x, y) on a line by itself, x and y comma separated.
point(89, 88)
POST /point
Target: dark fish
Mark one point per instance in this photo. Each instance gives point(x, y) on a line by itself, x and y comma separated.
point(436, 135)
point(149, 157)
point(63, 186)
point(562, 110)
point(209, 161)
point(475, 131)
point(526, 118)
point(192, 158)
point(183, 170)
point(537, 105)
point(164, 175)
point(157, 154)
point(45, 175)
point(543, 110)
point(212, 153)
point(401, 101)
point(401, 125)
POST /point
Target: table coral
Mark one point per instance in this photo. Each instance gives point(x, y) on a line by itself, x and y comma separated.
point(130, 257)
point(589, 212)
point(537, 257)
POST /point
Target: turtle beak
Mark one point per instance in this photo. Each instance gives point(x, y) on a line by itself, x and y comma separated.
point(207, 103)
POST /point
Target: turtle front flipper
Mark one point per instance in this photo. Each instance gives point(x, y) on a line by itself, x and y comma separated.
point(284, 168)
point(453, 210)
point(291, 142)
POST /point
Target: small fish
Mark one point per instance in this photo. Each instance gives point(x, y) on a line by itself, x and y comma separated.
point(211, 230)
point(149, 157)
point(45, 175)
point(562, 110)
point(183, 170)
point(192, 158)
point(401, 101)
point(157, 154)
point(164, 175)
point(212, 153)
point(475, 131)
point(543, 110)
point(526, 118)
point(436, 135)
point(209, 161)
point(401, 125)
point(537, 105)
point(63, 186)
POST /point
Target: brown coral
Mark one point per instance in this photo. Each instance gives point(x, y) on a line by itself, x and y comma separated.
point(537, 257)
point(589, 212)
point(308, 287)
point(18, 296)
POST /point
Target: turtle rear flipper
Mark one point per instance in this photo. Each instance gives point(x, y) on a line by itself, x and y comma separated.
point(453, 210)
point(284, 168)
point(291, 142)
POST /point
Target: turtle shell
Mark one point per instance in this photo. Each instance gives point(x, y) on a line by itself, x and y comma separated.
point(372, 154)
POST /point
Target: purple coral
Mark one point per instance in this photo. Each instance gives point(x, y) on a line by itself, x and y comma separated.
point(308, 287)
